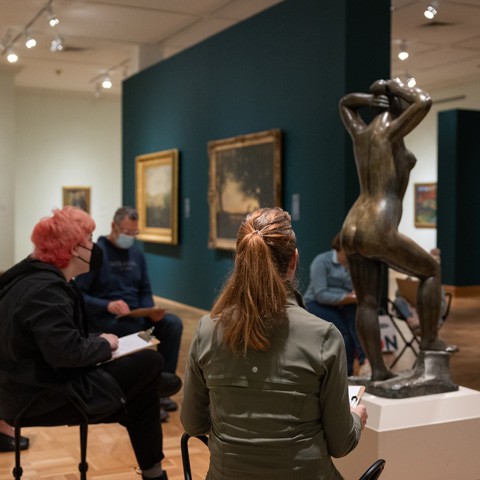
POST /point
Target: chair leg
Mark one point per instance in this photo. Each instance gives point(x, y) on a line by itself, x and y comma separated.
point(17, 470)
point(83, 465)
point(187, 472)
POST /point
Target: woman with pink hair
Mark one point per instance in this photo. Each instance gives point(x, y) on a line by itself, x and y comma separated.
point(44, 343)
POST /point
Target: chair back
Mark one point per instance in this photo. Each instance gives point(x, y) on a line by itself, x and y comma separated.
point(187, 472)
point(407, 288)
point(374, 471)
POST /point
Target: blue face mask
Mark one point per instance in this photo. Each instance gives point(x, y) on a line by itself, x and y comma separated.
point(124, 241)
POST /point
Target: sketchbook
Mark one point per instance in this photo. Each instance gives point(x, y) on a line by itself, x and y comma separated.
point(133, 343)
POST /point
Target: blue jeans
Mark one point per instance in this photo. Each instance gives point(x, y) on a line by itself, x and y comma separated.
point(343, 317)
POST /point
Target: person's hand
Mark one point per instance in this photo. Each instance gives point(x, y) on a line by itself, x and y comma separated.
point(111, 339)
point(361, 411)
point(118, 307)
point(157, 315)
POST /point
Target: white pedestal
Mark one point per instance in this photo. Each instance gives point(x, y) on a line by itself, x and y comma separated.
point(434, 437)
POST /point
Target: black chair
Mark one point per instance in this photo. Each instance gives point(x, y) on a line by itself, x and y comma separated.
point(374, 471)
point(412, 343)
point(187, 471)
point(22, 421)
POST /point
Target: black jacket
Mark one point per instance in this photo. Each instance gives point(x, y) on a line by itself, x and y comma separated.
point(44, 343)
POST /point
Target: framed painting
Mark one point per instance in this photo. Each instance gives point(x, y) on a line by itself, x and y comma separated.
point(77, 197)
point(245, 174)
point(425, 205)
point(157, 196)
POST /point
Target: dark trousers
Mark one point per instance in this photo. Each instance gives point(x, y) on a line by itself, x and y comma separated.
point(343, 317)
point(138, 376)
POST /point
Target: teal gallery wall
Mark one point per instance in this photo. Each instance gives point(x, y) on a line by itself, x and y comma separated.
point(458, 229)
point(285, 68)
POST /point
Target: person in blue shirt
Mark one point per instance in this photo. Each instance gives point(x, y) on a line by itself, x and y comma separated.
point(122, 285)
point(330, 296)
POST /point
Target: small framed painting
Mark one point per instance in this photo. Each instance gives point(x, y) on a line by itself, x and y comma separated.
point(77, 197)
point(425, 205)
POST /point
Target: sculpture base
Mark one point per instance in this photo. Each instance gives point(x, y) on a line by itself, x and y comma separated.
point(431, 375)
point(433, 437)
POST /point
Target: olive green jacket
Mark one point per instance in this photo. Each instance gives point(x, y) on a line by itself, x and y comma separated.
point(280, 414)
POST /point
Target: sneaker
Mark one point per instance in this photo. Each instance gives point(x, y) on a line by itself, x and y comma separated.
point(164, 416)
point(168, 404)
point(169, 384)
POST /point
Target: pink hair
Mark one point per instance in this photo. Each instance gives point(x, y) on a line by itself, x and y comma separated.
point(55, 236)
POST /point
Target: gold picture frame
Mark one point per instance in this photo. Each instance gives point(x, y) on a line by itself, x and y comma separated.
point(425, 205)
point(157, 196)
point(77, 197)
point(245, 174)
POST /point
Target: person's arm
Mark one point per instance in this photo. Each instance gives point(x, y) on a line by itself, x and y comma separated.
point(349, 106)
point(49, 315)
point(195, 411)
point(85, 283)
point(342, 427)
point(145, 296)
point(319, 273)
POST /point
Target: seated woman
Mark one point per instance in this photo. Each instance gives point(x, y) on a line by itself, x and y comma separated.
point(44, 345)
point(330, 296)
point(266, 379)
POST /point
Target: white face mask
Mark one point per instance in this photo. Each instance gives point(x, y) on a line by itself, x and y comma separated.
point(125, 241)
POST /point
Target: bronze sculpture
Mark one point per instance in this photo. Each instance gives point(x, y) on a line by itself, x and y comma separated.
point(370, 234)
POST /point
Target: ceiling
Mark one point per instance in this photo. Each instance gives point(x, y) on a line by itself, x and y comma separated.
point(119, 37)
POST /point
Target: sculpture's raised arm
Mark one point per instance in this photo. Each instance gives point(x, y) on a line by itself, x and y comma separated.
point(410, 105)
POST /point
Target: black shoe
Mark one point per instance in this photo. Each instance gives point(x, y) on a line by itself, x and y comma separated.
point(168, 404)
point(164, 416)
point(163, 476)
point(7, 443)
point(169, 384)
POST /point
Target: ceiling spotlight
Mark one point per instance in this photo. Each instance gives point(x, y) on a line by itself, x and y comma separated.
point(30, 42)
point(52, 18)
point(107, 83)
point(431, 10)
point(57, 44)
point(12, 57)
point(403, 54)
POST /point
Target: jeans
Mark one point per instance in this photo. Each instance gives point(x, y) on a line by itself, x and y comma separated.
point(343, 317)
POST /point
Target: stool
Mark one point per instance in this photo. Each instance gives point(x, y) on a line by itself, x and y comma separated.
point(21, 421)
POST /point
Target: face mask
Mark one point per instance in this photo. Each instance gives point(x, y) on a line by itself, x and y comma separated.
point(96, 257)
point(124, 241)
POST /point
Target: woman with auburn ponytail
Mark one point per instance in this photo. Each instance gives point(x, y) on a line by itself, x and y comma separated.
point(265, 379)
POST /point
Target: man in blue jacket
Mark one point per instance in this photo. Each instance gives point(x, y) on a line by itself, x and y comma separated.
point(122, 285)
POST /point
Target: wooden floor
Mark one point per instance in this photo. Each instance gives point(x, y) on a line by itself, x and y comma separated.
point(54, 452)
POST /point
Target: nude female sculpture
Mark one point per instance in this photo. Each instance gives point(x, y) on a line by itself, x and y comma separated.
point(370, 232)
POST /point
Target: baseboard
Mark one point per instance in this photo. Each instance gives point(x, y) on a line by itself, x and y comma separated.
point(467, 291)
point(165, 302)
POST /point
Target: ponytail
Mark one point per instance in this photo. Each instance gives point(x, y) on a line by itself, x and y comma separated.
point(254, 298)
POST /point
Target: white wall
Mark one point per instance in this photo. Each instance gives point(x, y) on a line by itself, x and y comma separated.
point(422, 141)
point(7, 133)
point(64, 140)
